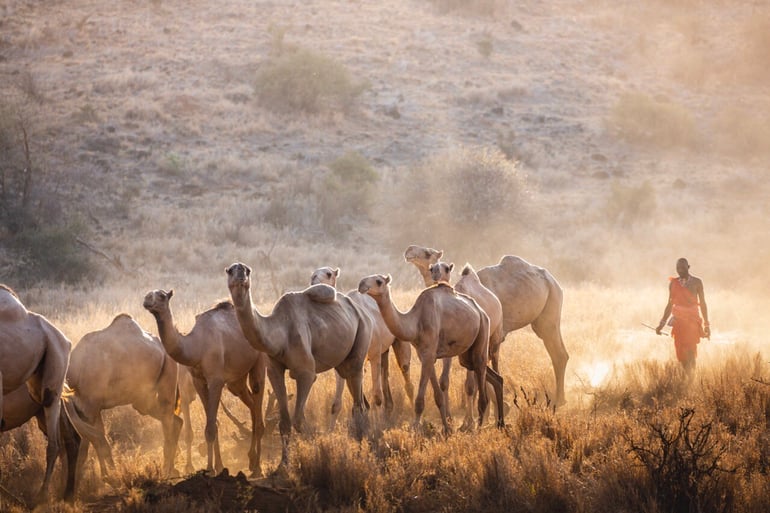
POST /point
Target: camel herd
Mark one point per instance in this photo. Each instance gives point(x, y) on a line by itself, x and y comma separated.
point(234, 346)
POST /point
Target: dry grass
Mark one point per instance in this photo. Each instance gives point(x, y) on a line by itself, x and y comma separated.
point(613, 446)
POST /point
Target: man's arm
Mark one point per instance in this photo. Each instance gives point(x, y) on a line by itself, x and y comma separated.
point(666, 312)
point(704, 309)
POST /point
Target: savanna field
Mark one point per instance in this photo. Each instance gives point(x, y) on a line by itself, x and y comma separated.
point(148, 145)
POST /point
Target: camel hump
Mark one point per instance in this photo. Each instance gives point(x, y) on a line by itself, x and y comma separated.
point(224, 304)
point(11, 307)
point(468, 270)
point(121, 317)
point(321, 293)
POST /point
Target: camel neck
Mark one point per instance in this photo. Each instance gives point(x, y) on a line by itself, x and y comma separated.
point(253, 324)
point(402, 325)
point(171, 338)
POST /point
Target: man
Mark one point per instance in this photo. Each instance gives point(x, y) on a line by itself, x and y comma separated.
point(685, 294)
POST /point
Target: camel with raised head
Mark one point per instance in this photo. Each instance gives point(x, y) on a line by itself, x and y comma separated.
point(218, 356)
point(308, 332)
point(470, 285)
point(529, 295)
point(119, 365)
point(33, 354)
point(19, 407)
point(382, 340)
point(441, 324)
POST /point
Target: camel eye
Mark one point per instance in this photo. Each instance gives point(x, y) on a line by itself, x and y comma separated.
point(379, 281)
point(328, 274)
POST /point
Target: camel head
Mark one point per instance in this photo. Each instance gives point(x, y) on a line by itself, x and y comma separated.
point(238, 277)
point(422, 257)
point(440, 271)
point(157, 300)
point(325, 275)
point(375, 285)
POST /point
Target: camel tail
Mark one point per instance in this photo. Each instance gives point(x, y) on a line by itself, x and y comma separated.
point(84, 429)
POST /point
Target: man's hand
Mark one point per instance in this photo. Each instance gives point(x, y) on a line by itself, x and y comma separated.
point(707, 331)
point(660, 327)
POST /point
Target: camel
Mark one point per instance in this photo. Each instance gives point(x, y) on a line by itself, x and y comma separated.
point(441, 324)
point(382, 340)
point(217, 355)
point(470, 285)
point(529, 295)
point(33, 354)
point(119, 365)
point(308, 332)
point(19, 407)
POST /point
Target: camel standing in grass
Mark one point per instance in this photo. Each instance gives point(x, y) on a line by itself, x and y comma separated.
point(307, 333)
point(119, 365)
point(19, 407)
point(217, 355)
point(33, 354)
point(529, 295)
point(470, 285)
point(441, 324)
point(382, 340)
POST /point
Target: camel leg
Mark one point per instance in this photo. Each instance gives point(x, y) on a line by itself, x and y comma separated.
point(337, 403)
point(52, 414)
point(276, 373)
point(187, 436)
point(440, 399)
point(101, 446)
point(403, 353)
point(496, 381)
point(210, 394)
point(376, 366)
point(356, 389)
point(257, 378)
point(444, 383)
point(468, 399)
point(385, 377)
point(304, 381)
point(71, 440)
point(426, 369)
point(547, 328)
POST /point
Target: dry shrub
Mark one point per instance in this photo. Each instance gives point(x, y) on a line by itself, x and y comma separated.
point(658, 123)
point(337, 468)
point(628, 205)
point(306, 81)
point(348, 189)
point(487, 8)
point(466, 200)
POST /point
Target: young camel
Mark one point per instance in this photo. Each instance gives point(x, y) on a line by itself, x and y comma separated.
point(382, 340)
point(119, 365)
point(529, 294)
point(441, 324)
point(19, 407)
point(34, 354)
point(470, 285)
point(217, 355)
point(307, 333)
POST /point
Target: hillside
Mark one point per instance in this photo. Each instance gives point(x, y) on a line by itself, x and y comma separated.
point(638, 133)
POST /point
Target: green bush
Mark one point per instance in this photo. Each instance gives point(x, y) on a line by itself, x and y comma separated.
point(306, 81)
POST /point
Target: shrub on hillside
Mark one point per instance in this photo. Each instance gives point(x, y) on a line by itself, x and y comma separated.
point(630, 204)
point(347, 191)
point(471, 7)
point(641, 119)
point(306, 81)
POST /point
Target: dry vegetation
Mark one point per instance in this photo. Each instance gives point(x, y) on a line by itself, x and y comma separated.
point(597, 139)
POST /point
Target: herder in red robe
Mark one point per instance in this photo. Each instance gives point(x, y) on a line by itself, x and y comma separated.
point(685, 295)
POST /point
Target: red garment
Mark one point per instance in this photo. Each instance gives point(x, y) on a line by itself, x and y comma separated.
point(687, 329)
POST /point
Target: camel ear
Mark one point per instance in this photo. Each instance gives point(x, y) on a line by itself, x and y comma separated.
point(440, 254)
point(170, 293)
point(387, 278)
point(337, 272)
point(248, 270)
point(451, 266)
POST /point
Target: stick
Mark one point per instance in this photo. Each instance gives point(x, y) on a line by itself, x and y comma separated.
point(656, 330)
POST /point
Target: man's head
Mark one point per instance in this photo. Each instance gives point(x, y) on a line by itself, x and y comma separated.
point(682, 268)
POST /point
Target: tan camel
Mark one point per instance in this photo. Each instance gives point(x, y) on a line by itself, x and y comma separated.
point(529, 295)
point(470, 285)
point(19, 407)
point(307, 333)
point(440, 324)
point(33, 354)
point(119, 365)
point(382, 340)
point(217, 355)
